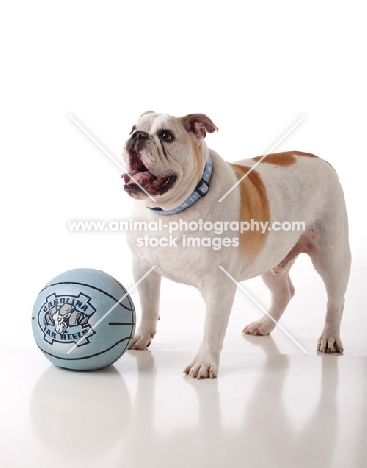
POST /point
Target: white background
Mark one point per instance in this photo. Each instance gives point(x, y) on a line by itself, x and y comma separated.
point(253, 67)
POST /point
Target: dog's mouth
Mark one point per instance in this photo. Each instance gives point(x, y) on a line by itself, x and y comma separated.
point(140, 179)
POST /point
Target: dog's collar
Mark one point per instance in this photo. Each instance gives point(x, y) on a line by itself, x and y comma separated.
point(200, 191)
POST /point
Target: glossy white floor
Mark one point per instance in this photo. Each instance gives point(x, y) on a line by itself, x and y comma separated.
point(272, 405)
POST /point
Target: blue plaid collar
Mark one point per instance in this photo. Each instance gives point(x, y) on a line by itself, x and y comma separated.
point(200, 191)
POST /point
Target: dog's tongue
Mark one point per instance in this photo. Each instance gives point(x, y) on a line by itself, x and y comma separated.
point(126, 177)
point(137, 177)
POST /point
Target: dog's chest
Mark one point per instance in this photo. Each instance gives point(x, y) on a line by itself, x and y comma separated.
point(169, 253)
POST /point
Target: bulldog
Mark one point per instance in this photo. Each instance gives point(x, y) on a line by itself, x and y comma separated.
point(174, 177)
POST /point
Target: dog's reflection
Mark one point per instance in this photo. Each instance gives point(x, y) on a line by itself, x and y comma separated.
point(269, 432)
point(267, 429)
point(89, 412)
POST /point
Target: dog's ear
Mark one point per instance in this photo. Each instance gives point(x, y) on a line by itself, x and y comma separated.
point(147, 112)
point(198, 124)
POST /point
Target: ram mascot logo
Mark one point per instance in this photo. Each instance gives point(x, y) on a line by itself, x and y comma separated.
point(65, 319)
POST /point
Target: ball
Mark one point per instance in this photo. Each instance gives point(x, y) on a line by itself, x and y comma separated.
point(83, 319)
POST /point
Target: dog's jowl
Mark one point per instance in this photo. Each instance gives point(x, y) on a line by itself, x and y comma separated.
point(220, 217)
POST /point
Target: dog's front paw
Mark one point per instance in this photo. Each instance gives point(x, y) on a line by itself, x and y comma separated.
point(330, 343)
point(205, 365)
point(141, 341)
point(261, 327)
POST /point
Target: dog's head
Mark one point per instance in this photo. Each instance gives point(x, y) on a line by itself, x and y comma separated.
point(165, 156)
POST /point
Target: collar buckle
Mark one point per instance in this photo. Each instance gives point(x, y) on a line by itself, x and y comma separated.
point(202, 187)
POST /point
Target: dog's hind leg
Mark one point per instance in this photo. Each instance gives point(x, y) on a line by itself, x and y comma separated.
point(282, 291)
point(331, 259)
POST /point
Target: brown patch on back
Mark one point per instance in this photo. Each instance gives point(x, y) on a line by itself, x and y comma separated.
point(279, 159)
point(283, 159)
point(254, 205)
point(299, 153)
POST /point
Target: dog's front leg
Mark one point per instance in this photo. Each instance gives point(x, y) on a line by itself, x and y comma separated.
point(149, 292)
point(218, 298)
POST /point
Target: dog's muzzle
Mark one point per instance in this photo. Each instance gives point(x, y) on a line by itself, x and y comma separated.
point(139, 176)
point(135, 144)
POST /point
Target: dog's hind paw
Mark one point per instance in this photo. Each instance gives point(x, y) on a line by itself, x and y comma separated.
point(330, 344)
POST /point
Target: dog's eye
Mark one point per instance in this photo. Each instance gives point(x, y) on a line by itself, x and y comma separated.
point(166, 135)
point(133, 129)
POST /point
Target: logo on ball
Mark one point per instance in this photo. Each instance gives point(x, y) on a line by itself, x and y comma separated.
point(65, 319)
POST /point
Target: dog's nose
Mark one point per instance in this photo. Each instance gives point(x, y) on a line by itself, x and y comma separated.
point(140, 135)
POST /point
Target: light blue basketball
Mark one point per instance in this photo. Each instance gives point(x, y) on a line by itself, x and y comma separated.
point(83, 319)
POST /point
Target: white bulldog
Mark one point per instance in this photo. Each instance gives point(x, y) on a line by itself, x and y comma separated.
point(168, 161)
